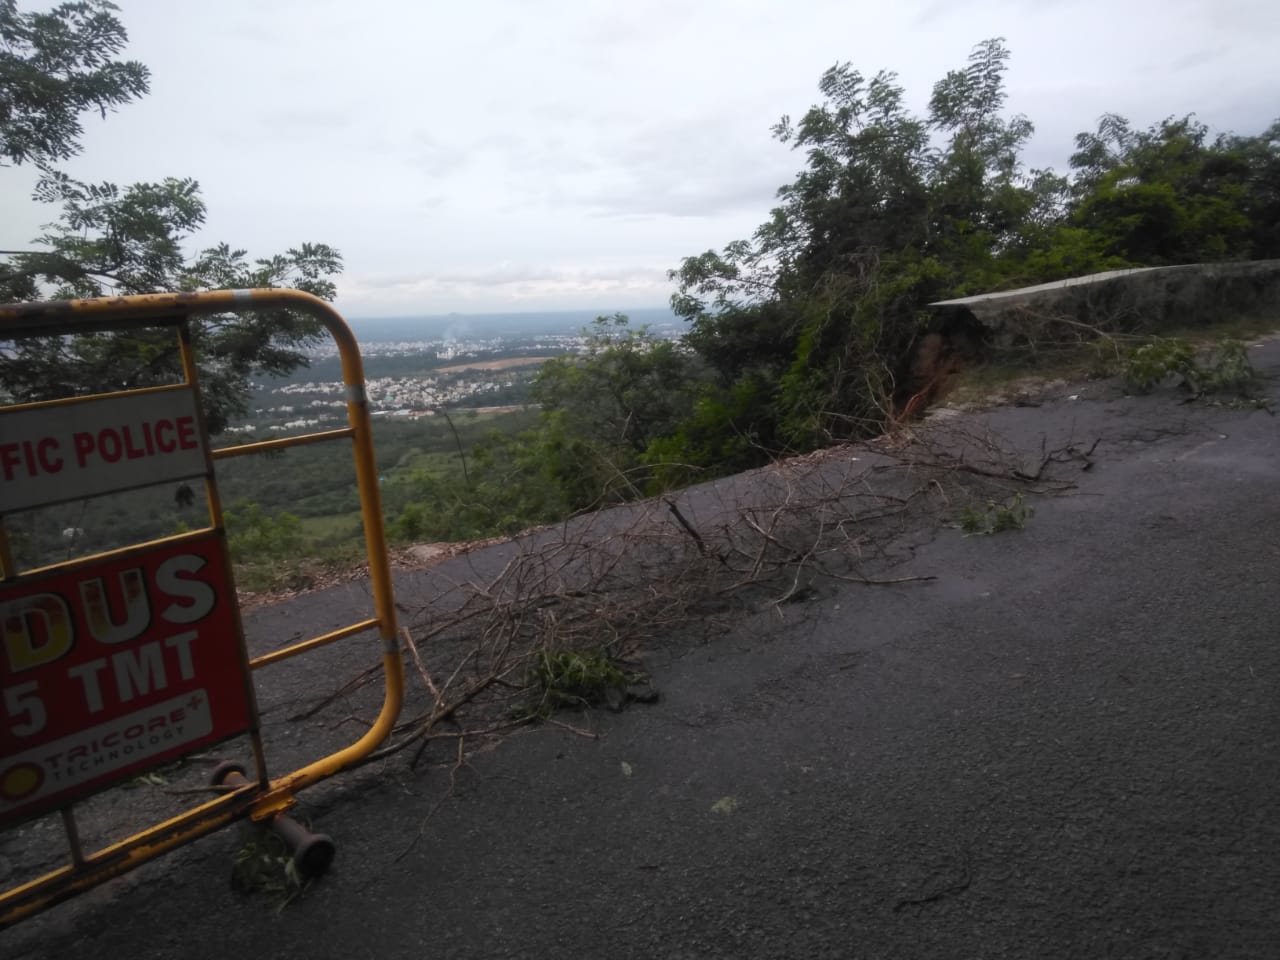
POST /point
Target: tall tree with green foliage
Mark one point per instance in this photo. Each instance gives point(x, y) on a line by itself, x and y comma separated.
point(808, 323)
point(54, 66)
point(111, 240)
point(1170, 194)
point(602, 410)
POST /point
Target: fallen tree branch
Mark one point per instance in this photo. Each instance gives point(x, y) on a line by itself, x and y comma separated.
point(574, 605)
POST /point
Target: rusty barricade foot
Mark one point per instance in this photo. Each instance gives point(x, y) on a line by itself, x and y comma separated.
point(312, 852)
point(229, 774)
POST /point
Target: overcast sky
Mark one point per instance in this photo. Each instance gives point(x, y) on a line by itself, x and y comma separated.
point(504, 155)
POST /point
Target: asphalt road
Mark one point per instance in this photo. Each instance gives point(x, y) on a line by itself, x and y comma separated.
point(1065, 746)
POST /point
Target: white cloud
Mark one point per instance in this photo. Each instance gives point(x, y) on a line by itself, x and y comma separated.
point(603, 287)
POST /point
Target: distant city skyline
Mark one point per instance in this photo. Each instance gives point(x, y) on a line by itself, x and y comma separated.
point(490, 323)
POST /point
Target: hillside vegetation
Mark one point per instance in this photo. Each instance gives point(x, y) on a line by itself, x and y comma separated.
point(806, 333)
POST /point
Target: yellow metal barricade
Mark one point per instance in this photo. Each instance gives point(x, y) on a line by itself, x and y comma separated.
point(115, 663)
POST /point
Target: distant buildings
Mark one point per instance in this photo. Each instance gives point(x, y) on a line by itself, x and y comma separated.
point(322, 403)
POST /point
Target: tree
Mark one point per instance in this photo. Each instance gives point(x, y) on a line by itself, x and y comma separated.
point(602, 410)
point(626, 388)
point(1170, 194)
point(53, 67)
point(810, 324)
point(112, 240)
point(1261, 155)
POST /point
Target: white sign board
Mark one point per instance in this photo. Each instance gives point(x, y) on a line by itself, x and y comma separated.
point(87, 448)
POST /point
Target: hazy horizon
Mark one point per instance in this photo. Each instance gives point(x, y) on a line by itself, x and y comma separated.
point(457, 325)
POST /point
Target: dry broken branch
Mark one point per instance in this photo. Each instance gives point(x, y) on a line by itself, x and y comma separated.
point(593, 595)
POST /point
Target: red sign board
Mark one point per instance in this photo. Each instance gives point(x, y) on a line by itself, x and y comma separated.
point(113, 669)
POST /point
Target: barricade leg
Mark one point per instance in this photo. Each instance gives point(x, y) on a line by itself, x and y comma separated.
point(312, 852)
